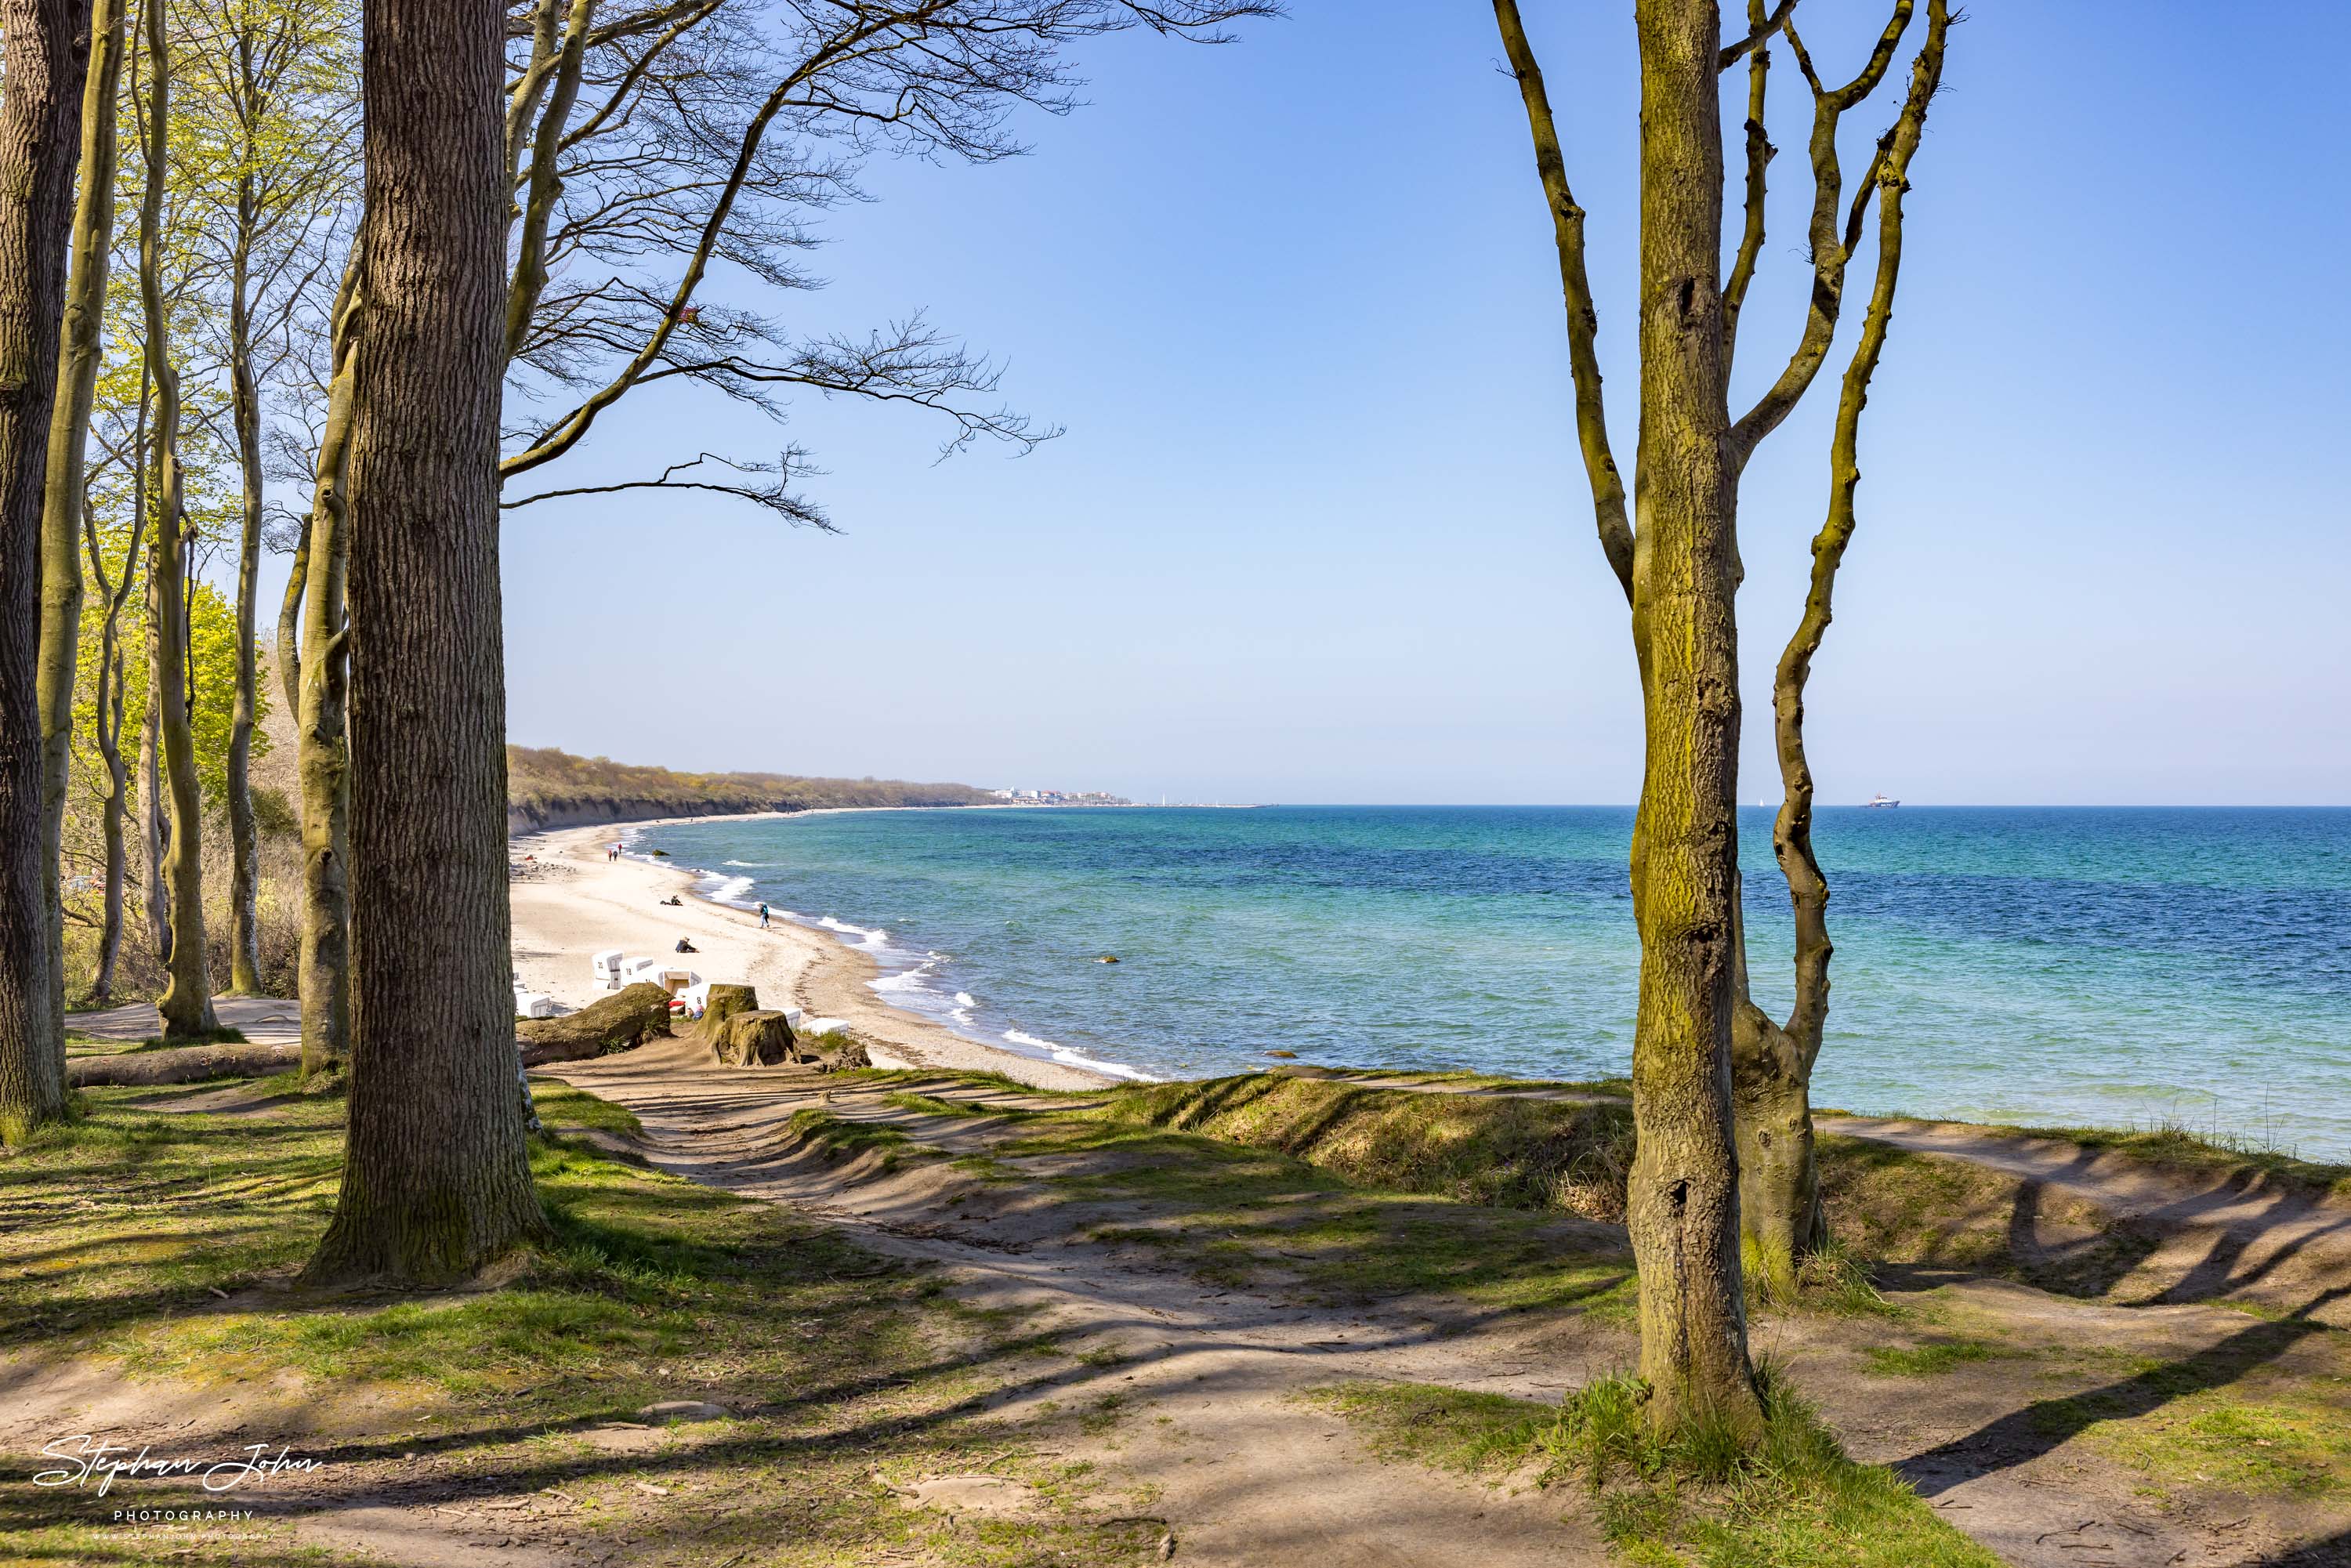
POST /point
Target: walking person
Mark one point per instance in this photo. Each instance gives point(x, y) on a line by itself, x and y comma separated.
point(763, 917)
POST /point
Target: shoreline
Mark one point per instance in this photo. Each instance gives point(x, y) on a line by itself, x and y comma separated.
point(580, 904)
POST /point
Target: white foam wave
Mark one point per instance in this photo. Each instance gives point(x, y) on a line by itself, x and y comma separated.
point(964, 1000)
point(871, 939)
point(753, 866)
point(729, 890)
point(1075, 1058)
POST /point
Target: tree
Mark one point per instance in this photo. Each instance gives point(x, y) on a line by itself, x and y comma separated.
point(80, 352)
point(271, 139)
point(321, 689)
point(44, 60)
point(1771, 1062)
point(1676, 558)
point(436, 1178)
point(187, 1002)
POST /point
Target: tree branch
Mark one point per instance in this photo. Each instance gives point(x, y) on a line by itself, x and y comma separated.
point(1575, 285)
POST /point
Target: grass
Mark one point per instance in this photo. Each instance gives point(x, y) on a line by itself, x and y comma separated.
point(1563, 1157)
point(1237, 1216)
point(2169, 1145)
point(1929, 1358)
point(1708, 1496)
point(851, 1373)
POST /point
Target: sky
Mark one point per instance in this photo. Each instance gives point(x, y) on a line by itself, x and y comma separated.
point(1318, 530)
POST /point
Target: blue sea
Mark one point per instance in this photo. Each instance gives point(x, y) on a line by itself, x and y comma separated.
point(2016, 964)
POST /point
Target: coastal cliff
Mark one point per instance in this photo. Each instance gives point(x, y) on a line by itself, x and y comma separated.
point(548, 789)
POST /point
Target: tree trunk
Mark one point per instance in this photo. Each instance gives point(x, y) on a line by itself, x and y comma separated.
point(90, 248)
point(244, 399)
point(1779, 1173)
point(187, 1001)
point(154, 823)
point(289, 620)
point(118, 784)
point(39, 130)
point(436, 1175)
point(323, 754)
point(1682, 1201)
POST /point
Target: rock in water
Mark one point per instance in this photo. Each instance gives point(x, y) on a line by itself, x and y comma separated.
point(1106, 958)
point(1284, 1055)
point(760, 1038)
point(725, 1002)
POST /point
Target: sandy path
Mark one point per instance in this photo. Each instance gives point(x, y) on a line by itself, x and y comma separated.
point(1204, 1382)
point(573, 902)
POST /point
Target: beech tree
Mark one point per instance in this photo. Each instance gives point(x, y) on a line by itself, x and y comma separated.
point(1712, 1076)
point(436, 1178)
point(271, 153)
point(186, 1004)
point(43, 59)
point(80, 350)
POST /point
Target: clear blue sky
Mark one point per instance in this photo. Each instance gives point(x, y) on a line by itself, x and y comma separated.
point(1318, 532)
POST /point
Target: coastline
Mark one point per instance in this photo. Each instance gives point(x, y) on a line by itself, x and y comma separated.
point(580, 904)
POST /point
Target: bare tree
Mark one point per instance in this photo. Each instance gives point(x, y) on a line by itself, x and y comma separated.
point(648, 139)
point(1772, 1063)
point(1677, 560)
point(43, 59)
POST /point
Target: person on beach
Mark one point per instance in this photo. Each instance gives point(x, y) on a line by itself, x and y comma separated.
point(763, 917)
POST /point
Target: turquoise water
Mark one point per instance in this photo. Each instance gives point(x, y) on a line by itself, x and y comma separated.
point(2038, 966)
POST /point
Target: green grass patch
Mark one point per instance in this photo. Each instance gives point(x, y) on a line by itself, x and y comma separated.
point(1929, 1358)
point(1563, 1157)
point(847, 1370)
point(1236, 1215)
point(1708, 1496)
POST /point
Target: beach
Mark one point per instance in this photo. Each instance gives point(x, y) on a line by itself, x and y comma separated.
point(573, 902)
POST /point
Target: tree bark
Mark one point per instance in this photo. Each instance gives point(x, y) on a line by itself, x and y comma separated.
point(323, 753)
point(1682, 1202)
point(80, 346)
point(1779, 1172)
point(107, 715)
point(436, 1175)
point(43, 61)
point(245, 402)
point(187, 1001)
point(289, 620)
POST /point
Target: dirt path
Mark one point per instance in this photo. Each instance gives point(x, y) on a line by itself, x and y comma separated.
point(263, 1020)
point(1203, 1385)
point(2031, 1440)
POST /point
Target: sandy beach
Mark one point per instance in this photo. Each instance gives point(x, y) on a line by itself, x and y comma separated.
point(576, 903)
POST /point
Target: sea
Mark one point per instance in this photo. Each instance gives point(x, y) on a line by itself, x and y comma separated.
point(2043, 967)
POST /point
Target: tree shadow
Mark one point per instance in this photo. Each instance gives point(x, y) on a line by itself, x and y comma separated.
point(2037, 1430)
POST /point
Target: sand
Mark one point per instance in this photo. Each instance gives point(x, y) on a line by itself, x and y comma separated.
point(573, 902)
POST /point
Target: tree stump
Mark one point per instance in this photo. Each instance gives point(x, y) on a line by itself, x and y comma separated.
point(616, 1022)
point(725, 1002)
point(760, 1038)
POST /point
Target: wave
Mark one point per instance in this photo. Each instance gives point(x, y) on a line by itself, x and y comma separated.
point(729, 890)
point(871, 939)
point(753, 866)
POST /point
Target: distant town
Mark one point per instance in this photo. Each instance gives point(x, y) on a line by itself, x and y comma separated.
point(1061, 797)
point(1088, 797)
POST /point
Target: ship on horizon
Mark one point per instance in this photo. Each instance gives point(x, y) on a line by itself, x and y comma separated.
point(1881, 801)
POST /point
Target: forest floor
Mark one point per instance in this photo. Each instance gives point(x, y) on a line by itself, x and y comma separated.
point(932, 1319)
